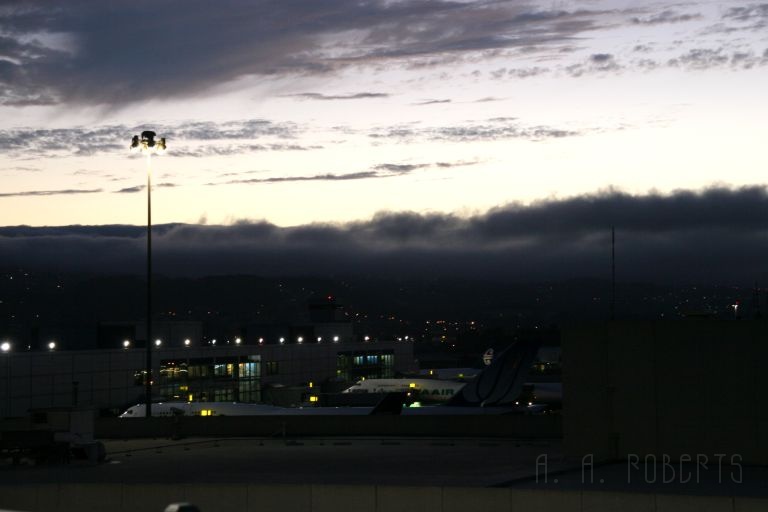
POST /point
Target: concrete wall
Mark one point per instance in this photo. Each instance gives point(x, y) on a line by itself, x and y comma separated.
point(364, 498)
point(695, 386)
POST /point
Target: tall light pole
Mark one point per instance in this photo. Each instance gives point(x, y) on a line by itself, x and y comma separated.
point(147, 144)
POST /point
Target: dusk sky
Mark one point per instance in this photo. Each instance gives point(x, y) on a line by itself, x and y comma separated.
point(302, 111)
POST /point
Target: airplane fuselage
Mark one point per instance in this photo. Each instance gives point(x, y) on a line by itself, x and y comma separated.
point(422, 390)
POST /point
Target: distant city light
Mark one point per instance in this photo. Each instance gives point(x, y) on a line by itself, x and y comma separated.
point(300, 339)
point(5, 346)
point(238, 341)
point(367, 338)
point(319, 339)
point(187, 342)
point(52, 345)
point(261, 340)
point(213, 341)
point(126, 344)
point(406, 338)
point(335, 339)
point(282, 340)
point(158, 342)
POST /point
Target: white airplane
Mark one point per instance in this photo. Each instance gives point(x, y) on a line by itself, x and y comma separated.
point(421, 390)
point(233, 409)
point(393, 408)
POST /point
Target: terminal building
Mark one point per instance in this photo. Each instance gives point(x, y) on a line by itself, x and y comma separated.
point(113, 379)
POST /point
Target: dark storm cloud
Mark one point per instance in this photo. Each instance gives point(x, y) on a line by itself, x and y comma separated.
point(49, 192)
point(82, 51)
point(714, 236)
point(326, 97)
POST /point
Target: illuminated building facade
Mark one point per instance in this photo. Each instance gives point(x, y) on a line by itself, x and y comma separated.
point(111, 379)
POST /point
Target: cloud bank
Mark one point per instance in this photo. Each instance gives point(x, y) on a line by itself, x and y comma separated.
point(717, 236)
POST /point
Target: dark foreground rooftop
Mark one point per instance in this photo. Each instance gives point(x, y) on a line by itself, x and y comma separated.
point(393, 461)
point(312, 474)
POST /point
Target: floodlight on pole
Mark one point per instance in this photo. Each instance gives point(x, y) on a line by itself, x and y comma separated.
point(146, 144)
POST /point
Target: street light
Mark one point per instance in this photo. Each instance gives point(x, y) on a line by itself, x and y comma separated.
point(52, 345)
point(146, 144)
point(5, 346)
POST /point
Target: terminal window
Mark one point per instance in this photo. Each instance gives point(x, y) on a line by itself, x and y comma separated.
point(235, 378)
point(372, 364)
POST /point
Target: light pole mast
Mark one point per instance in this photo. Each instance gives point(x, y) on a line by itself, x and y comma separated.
point(147, 144)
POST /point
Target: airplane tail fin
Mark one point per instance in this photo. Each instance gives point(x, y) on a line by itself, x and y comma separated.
point(502, 381)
